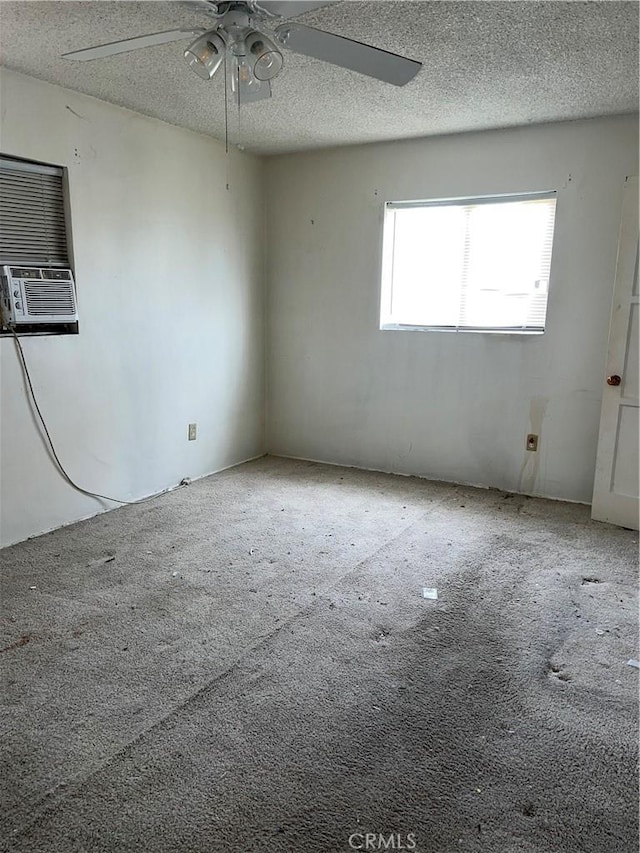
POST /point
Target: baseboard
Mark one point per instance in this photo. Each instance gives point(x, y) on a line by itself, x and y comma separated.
point(428, 478)
point(132, 503)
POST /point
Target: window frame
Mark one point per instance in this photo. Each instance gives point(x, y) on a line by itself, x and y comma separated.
point(386, 279)
point(40, 167)
point(28, 164)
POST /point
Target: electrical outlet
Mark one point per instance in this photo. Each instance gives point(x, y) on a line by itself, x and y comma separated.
point(192, 432)
point(532, 441)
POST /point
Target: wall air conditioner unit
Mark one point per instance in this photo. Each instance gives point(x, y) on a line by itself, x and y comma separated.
point(37, 295)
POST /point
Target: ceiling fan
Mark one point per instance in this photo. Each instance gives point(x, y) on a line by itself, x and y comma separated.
point(255, 57)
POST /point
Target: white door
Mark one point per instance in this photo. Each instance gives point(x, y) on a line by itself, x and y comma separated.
point(615, 492)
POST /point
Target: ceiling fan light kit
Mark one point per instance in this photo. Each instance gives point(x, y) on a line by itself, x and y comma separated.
point(255, 58)
point(265, 56)
point(205, 55)
point(245, 86)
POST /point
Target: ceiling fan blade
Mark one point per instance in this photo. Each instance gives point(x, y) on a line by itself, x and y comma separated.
point(291, 8)
point(110, 49)
point(348, 53)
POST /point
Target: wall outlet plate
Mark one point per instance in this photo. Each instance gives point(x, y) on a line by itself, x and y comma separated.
point(532, 441)
point(192, 432)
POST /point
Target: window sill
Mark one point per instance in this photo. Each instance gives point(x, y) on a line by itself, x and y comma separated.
point(39, 329)
point(399, 327)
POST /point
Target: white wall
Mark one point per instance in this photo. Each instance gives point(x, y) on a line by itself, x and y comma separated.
point(443, 405)
point(156, 230)
point(169, 270)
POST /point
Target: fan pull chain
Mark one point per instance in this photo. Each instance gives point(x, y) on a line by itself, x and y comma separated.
point(239, 117)
point(226, 106)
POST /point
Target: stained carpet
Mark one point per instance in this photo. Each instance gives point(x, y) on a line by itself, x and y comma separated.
point(249, 664)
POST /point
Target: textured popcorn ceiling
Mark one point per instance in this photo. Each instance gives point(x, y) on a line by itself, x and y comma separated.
point(486, 65)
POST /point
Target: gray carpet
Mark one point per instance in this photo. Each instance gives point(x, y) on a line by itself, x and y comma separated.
point(257, 670)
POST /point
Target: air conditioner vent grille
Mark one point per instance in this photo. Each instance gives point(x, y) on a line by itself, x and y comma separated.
point(50, 299)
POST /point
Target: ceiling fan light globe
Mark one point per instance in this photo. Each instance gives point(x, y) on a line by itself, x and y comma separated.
point(268, 66)
point(205, 55)
point(265, 58)
point(245, 86)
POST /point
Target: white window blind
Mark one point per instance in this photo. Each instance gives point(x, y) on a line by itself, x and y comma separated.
point(477, 264)
point(32, 214)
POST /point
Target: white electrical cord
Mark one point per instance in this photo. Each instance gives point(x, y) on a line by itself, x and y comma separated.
point(59, 464)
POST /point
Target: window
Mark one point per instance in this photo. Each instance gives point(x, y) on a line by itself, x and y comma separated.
point(478, 264)
point(33, 225)
point(37, 288)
